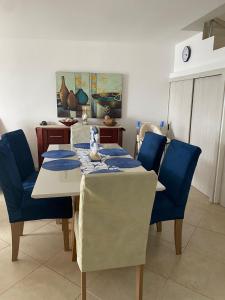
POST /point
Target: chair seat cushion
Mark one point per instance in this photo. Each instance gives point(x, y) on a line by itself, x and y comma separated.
point(164, 209)
point(47, 208)
point(29, 182)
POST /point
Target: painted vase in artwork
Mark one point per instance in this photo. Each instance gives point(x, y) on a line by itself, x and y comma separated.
point(82, 97)
point(63, 93)
point(72, 101)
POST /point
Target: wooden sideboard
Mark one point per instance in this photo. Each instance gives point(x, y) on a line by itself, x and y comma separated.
point(59, 134)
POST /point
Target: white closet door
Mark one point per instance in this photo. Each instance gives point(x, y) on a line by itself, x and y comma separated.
point(181, 94)
point(205, 130)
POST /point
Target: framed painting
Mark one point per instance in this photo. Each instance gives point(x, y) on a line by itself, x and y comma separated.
point(98, 94)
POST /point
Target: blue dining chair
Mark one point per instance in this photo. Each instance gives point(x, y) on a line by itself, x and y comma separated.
point(18, 144)
point(21, 207)
point(151, 151)
point(176, 174)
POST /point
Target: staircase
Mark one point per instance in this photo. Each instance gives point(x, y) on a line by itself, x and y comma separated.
point(216, 28)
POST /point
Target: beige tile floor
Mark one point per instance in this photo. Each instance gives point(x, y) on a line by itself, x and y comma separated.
point(45, 271)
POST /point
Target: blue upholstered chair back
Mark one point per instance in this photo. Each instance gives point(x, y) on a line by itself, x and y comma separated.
point(151, 151)
point(18, 144)
point(10, 181)
point(177, 170)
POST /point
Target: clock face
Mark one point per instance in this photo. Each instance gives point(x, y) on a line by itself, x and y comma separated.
point(186, 54)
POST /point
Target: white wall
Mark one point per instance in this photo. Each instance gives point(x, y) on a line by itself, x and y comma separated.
point(203, 57)
point(27, 80)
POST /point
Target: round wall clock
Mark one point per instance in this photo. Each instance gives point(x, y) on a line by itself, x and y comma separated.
point(186, 54)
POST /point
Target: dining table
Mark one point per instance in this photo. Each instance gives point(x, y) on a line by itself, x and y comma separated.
point(63, 183)
point(51, 184)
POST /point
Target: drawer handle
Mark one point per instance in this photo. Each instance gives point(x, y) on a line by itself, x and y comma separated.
point(106, 136)
point(55, 136)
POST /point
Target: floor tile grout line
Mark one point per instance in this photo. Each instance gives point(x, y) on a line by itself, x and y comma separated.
point(11, 286)
point(4, 248)
point(213, 231)
point(5, 242)
point(41, 263)
point(191, 289)
point(190, 238)
point(63, 276)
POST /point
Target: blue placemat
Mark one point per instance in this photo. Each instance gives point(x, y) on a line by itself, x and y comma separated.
point(113, 152)
point(61, 164)
point(123, 162)
point(58, 154)
point(105, 171)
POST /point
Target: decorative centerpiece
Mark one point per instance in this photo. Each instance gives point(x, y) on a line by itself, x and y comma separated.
point(85, 116)
point(108, 121)
point(68, 121)
point(94, 141)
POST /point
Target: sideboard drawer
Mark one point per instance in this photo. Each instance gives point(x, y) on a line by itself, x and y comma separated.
point(56, 136)
point(108, 135)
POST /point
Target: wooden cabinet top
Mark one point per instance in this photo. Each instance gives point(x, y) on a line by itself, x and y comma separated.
point(66, 127)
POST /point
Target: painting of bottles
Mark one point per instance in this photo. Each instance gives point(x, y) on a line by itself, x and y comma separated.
point(98, 94)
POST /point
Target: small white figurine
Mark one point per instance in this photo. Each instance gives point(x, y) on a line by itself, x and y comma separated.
point(94, 141)
point(85, 116)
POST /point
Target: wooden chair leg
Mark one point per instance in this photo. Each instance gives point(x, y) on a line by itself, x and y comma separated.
point(65, 229)
point(75, 202)
point(178, 235)
point(16, 232)
point(139, 282)
point(21, 228)
point(83, 285)
point(74, 248)
point(159, 226)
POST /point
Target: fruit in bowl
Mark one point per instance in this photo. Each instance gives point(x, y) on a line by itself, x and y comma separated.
point(68, 122)
point(109, 121)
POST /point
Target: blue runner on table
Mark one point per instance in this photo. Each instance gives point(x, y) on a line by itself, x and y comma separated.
point(123, 162)
point(58, 154)
point(61, 164)
point(105, 171)
point(84, 145)
point(113, 152)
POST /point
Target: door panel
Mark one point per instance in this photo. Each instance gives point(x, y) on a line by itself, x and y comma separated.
point(205, 130)
point(181, 93)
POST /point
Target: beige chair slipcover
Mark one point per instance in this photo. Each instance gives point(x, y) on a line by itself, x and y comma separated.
point(79, 133)
point(148, 127)
point(112, 225)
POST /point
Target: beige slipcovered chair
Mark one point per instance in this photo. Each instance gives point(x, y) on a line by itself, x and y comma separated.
point(79, 133)
point(140, 137)
point(112, 224)
point(147, 127)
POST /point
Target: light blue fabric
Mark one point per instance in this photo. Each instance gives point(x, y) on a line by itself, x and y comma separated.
point(123, 162)
point(61, 164)
point(58, 154)
point(113, 152)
